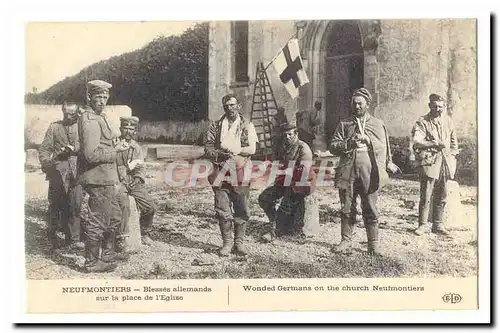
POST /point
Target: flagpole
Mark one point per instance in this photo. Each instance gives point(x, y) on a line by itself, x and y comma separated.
point(295, 35)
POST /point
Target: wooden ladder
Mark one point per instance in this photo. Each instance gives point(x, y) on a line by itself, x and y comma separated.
point(264, 108)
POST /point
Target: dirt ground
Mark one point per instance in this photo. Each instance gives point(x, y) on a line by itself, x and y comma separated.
point(186, 236)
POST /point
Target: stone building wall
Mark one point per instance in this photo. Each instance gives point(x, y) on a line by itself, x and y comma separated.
point(420, 57)
point(264, 42)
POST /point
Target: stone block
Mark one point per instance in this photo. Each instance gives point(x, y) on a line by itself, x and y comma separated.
point(311, 216)
point(31, 158)
point(132, 242)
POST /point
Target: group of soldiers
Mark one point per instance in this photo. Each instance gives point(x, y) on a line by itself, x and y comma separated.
point(362, 143)
point(81, 157)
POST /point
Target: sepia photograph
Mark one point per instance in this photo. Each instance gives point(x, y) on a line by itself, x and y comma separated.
point(184, 156)
point(381, 114)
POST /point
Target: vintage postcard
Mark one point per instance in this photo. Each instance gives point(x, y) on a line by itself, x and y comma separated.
point(252, 165)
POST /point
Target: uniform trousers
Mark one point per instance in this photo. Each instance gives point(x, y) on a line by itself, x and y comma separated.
point(231, 203)
point(64, 207)
point(362, 174)
point(104, 209)
point(432, 192)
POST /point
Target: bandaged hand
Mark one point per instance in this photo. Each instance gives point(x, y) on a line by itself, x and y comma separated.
point(134, 163)
point(393, 168)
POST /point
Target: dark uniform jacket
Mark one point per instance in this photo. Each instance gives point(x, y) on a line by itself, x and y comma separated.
point(379, 150)
point(53, 160)
point(125, 175)
point(97, 158)
point(301, 154)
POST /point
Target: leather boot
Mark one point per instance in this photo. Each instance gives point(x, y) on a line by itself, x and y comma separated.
point(146, 222)
point(239, 236)
point(346, 231)
point(92, 262)
point(437, 217)
point(227, 239)
point(437, 228)
point(420, 230)
point(109, 253)
point(371, 227)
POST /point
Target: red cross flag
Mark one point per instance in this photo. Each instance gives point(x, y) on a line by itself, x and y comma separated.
point(288, 64)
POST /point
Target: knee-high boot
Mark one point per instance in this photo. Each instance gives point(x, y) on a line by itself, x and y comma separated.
point(239, 236)
point(371, 227)
point(92, 262)
point(227, 239)
point(109, 253)
point(346, 230)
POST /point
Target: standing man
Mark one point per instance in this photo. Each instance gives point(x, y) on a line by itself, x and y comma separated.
point(58, 158)
point(308, 122)
point(362, 143)
point(231, 139)
point(435, 145)
point(98, 176)
point(298, 152)
point(132, 175)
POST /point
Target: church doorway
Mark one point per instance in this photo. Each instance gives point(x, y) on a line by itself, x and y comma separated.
point(344, 72)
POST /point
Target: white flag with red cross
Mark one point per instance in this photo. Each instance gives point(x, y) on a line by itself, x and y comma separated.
point(290, 68)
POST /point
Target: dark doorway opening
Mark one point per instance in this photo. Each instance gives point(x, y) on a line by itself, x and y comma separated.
point(343, 70)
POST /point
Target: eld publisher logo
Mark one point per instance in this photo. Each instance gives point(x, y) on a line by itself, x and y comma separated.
point(452, 298)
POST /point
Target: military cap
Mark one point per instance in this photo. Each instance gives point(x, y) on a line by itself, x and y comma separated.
point(98, 86)
point(129, 121)
point(435, 98)
point(363, 92)
point(287, 126)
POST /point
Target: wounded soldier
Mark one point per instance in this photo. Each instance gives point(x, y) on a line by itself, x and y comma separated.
point(131, 174)
point(58, 158)
point(289, 217)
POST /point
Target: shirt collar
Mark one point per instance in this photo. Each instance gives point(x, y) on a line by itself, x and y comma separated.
point(367, 117)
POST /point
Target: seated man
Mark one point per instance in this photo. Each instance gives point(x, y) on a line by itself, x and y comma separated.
point(131, 174)
point(292, 206)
